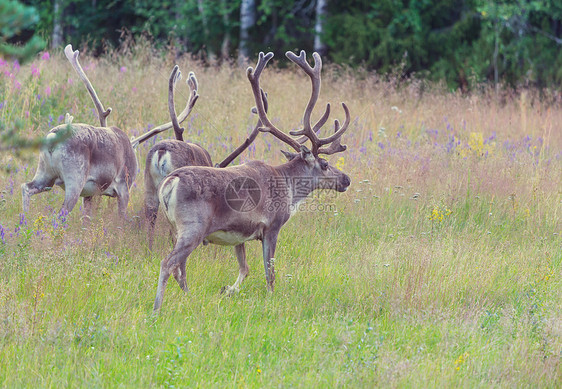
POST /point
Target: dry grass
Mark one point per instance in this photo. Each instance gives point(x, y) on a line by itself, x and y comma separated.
point(441, 266)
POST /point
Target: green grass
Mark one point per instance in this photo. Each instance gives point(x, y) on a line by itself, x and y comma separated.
point(380, 294)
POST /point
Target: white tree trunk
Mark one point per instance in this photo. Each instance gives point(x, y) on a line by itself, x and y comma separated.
point(201, 7)
point(247, 21)
point(225, 47)
point(56, 40)
point(319, 46)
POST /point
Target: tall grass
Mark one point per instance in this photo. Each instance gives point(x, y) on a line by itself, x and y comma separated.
point(439, 267)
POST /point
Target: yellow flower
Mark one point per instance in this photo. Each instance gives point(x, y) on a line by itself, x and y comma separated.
point(460, 360)
point(340, 163)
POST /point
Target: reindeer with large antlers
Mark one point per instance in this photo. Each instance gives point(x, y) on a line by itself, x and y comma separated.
point(252, 201)
point(168, 155)
point(171, 154)
point(87, 160)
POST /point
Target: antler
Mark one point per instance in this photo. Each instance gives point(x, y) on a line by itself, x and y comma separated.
point(193, 96)
point(72, 56)
point(174, 77)
point(254, 77)
point(225, 162)
point(308, 130)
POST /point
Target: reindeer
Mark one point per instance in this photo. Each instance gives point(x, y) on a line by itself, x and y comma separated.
point(88, 161)
point(251, 201)
point(171, 154)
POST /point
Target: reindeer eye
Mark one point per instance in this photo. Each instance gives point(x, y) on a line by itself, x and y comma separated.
point(323, 164)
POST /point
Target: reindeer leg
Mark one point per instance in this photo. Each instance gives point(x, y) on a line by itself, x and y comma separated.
point(269, 244)
point(179, 275)
point(88, 205)
point(242, 270)
point(74, 172)
point(151, 204)
point(122, 203)
point(43, 181)
point(177, 258)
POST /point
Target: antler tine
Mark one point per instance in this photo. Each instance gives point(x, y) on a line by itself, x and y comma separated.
point(335, 146)
point(253, 135)
point(174, 77)
point(72, 56)
point(339, 131)
point(267, 126)
point(308, 130)
point(193, 96)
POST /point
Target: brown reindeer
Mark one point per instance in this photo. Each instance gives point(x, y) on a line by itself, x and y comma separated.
point(171, 154)
point(86, 160)
point(168, 155)
point(252, 201)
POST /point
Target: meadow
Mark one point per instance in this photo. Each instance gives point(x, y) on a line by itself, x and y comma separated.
point(439, 267)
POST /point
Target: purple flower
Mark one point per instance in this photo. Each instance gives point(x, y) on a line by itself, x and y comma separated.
point(35, 72)
point(491, 138)
point(23, 222)
point(123, 69)
point(61, 118)
point(45, 56)
point(381, 145)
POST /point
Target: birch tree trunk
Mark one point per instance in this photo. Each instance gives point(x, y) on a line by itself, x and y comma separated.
point(247, 21)
point(225, 47)
point(201, 8)
point(56, 40)
point(319, 45)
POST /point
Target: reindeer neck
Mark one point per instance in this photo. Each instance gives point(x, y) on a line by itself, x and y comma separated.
point(299, 182)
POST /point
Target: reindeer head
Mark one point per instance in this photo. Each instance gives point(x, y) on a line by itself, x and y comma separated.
point(323, 175)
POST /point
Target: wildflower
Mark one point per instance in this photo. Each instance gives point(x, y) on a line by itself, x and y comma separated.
point(340, 163)
point(123, 69)
point(45, 56)
point(460, 360)
point(23, 222)
point(437, 214)
point(35, 72)
point(47, 91)
point(258, 370)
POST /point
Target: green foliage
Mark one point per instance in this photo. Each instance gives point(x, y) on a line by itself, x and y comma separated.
point(464, 42)
point(15, 18)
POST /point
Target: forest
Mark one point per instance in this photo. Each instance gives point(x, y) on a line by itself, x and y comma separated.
point(463, 43)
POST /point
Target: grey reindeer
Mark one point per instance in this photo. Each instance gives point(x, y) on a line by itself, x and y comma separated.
point(236, 204)
point(171, 154)
point(89, 160)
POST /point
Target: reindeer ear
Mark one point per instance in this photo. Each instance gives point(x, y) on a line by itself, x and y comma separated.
point(307, 154)
point(289, 156)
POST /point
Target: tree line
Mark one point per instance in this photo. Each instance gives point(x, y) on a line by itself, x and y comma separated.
point(463, 42)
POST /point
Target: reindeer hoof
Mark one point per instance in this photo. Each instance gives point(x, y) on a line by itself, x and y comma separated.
point(229, 290)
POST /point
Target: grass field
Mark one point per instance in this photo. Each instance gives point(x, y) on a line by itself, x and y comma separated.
point(440, 267)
